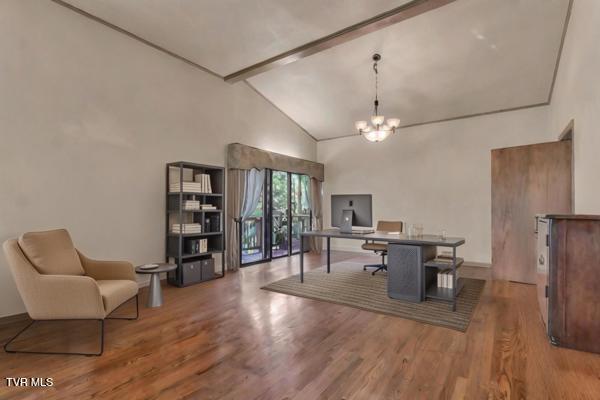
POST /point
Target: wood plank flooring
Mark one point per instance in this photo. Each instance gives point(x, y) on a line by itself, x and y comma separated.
point(228, 339)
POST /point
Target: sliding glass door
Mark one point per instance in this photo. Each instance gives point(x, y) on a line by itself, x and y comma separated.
point(300, 207)
point(280, 199)
point(273, 229)
point(254, 228)
point(254, 241)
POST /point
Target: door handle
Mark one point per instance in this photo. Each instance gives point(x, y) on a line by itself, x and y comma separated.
point(541, 260)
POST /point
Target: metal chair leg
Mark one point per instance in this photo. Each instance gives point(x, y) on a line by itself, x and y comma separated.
point(378, 267)
point(137, 310)
point(6, 349)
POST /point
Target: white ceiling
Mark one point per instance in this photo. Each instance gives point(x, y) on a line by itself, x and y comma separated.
point(226, 36)
point(468, 57)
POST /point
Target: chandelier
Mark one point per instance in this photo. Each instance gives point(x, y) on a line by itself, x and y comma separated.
point(380, 128)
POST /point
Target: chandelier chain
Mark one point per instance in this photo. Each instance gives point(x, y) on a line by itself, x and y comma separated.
point(376, 87)
point(379, 129)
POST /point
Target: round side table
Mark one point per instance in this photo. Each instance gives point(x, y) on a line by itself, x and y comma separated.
point(154, 291)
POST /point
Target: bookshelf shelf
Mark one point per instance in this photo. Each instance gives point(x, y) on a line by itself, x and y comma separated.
point(186, 256)
point(195, 194)
point(443, 263)
point(194, 211)
point(173, 234)
point(186, 249)
point(440, 293)
point(432, 269)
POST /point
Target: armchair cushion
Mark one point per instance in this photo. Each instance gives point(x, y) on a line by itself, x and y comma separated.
point(51, 252)
point(116, 292)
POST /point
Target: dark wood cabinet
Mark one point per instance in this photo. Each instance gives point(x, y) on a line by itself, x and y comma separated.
point(568, 279)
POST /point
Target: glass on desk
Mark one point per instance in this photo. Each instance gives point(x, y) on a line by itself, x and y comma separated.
point(418, 230)
point(443, 235)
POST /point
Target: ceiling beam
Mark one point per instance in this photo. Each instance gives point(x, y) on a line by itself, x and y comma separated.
point(391, 17)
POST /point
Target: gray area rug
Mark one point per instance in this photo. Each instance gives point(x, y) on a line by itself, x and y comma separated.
point(349, 285)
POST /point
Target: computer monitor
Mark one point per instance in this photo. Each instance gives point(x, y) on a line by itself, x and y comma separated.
point(349, 210)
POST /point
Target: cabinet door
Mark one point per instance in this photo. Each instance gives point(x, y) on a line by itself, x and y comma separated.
point(526, 180)
point(543, 263)
point(574, 313)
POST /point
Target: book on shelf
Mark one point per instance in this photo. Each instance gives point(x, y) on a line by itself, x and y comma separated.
point(212, 223)
point(175, 188)
point(191, 205)
point(204, 180)
point(186, 228)
point(446, 254)
point(442, 260)
point(196, 246)
point(445, 278)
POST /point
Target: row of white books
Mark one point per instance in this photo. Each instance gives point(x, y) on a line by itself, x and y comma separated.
point(191, 205)
point(197, 246)
point(203, 246)
point(204, 180)
point(445, 278)
point(195, 205)
point(186, 228)
point(194, 187)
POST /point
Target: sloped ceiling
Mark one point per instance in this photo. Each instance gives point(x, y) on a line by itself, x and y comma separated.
point(227, 35)
point(467, 57)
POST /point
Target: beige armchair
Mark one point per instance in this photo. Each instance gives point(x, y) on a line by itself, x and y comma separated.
point(57, 282)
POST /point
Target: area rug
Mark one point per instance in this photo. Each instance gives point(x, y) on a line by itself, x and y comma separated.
point(349, 285)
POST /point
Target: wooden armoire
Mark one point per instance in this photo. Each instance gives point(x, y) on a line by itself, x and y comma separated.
point(568, 279)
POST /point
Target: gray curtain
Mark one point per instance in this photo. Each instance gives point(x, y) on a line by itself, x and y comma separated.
point(255, 179)
point(243, 193)
point(236, 187)
point(316, 206)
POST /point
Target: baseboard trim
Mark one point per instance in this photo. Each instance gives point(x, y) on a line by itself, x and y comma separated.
point(11, 319)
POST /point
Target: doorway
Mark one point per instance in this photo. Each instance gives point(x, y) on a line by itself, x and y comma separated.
point(273, 230)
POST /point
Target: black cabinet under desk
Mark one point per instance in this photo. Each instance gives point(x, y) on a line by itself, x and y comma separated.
point(405, 271)
point(413, 273)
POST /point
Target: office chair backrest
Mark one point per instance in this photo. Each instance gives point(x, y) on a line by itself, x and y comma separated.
point(389, 226)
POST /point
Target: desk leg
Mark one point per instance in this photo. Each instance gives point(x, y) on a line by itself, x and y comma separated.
point(301, 259)
point(328, 254)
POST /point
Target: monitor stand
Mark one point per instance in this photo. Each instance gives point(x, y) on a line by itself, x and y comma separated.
point(347, 218)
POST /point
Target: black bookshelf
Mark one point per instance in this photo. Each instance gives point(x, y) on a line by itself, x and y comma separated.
point(194, 266)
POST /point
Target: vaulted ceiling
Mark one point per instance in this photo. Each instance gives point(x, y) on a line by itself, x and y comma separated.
point(464, 58)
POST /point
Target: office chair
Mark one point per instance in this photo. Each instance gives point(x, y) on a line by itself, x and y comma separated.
point(381, 248)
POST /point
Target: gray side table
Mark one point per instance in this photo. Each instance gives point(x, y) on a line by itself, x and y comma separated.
point(154, 290)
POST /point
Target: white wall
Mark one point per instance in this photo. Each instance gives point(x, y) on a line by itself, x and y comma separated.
point(88, 119)
point(577, 96)
point(438, 174)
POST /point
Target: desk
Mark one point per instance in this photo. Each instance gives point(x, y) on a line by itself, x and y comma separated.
point(422, 241)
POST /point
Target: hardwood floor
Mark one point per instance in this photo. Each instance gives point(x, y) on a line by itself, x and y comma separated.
point(228, 339)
